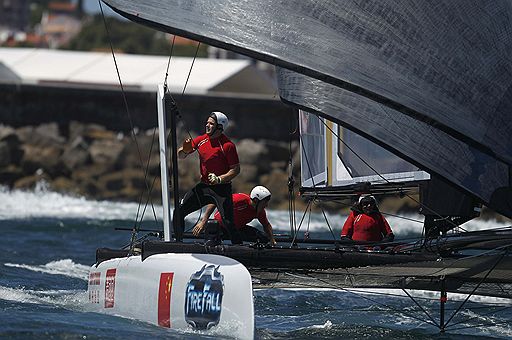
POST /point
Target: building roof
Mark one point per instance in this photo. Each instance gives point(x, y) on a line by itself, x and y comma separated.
point(138, 72)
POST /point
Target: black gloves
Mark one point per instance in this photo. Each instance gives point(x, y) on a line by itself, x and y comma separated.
point(389, 238)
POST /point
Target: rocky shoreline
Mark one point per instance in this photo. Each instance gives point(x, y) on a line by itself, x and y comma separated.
point(90, 161)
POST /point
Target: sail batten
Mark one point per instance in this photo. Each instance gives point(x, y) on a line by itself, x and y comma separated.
point(444, 63)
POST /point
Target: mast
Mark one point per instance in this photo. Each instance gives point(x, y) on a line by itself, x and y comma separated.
point(164, 171)
point(169, 101)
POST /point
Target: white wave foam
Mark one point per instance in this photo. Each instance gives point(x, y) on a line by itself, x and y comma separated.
point(326, 325)
point(41, 203)
point(64, 267)
point(63, 298)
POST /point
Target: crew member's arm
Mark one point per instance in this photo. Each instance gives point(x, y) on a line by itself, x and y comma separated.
point(185, 149)
point(232, 173)
point(386, 230)
point(234, 166)
point(200, 225)
point(262, 218)
point(225, 178)
point(348, 227)
point(270, 234)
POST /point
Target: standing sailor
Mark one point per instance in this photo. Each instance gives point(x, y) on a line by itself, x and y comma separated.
point(219, 164)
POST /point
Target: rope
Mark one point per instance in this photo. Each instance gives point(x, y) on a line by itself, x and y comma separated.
point(132, 128)
point(169, 61)
point(390, 308)
point(382, 177)
point(291, 181)
point(328, 225)
point(474, 290)
point(300, 224)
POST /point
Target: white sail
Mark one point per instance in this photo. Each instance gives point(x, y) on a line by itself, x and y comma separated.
point(333, 156)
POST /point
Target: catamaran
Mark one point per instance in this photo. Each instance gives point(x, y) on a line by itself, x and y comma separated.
point(428, 82)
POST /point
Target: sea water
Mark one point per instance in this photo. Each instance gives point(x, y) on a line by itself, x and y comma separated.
point(49, 242)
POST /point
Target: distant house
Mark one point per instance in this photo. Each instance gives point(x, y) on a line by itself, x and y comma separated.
point(14, 16)
point(60, 23)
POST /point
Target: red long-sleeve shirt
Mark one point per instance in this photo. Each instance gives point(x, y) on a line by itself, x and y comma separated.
point(363, 227)
point(244, 212)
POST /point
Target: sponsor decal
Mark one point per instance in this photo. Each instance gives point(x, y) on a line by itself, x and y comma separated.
point(203, 297)
point(94, 278)
point(94, 296)
point(110, 285)
point(164, 299)
point(94, 287)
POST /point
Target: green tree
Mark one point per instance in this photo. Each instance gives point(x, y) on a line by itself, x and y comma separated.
point(127, 37)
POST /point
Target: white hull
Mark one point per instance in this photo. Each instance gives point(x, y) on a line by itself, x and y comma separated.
point(204, 292)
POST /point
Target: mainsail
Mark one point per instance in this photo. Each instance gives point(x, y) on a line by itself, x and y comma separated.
point(433, 150)
point(443, 64)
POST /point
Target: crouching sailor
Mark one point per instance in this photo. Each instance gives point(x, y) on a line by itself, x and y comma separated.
point(245, 209)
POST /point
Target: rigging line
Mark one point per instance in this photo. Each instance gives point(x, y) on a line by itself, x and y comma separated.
point(415, 297)
point(291, 209)
point(420, 307)
point(474, 290)
point(126, 107)
point(181, 98)
point(367, 298)
point(326, 221)
point(169, 61)
point(190, 70)
point(147, 200)
point(472, 256)
point(386, 180)
point(505, 322)
point(142, 238)
point(503, 290)
point(300, 224)
point(291, 180)
point(479, 316)
point(146, 173)
point(402, 217)
point(383, 294)
point(309, 220)
point(185, 87)
point(314, 186)
point(307, 160)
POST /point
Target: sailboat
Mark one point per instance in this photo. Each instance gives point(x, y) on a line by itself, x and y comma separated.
point(428, 82)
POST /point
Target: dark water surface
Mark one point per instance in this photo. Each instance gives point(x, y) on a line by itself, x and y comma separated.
point(45, 260)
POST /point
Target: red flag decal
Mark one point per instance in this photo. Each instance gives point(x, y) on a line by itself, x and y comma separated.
point(110, 285)
point(164, 299)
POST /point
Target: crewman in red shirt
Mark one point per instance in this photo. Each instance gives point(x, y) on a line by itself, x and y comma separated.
point(366, 223)
point(218, 165)
point(245, 209)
